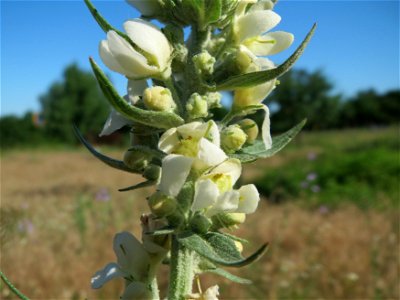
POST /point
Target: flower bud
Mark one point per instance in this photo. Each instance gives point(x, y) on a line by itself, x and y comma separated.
point(204, 63)
point(136, 160)
point(154, 243)
point(197, 106)
point(161, 205)
point(227, 220)
point(250, 128)
point(152, 172)
point(233, 138)
point(200, 224)
point(158, 98)
point(175, 219)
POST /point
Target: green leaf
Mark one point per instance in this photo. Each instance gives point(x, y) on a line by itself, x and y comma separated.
point(163, 120)
point(218, 249)
point(212, 11)
point(138, 186)
point(117, 164)
point(257, 150)
point(100, 20)
point(235, 238)
point(256, 78)
point(229, 276)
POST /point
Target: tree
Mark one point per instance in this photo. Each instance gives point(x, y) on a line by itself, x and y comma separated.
point(302, 94)
point(75, 100)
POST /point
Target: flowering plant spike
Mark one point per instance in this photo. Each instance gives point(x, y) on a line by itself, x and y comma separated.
point(193, 160)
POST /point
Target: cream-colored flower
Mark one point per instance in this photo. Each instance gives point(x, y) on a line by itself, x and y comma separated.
point(214, 191)
point(211, 293)
point(250, 27)
point(149, 56)
point(132, 264)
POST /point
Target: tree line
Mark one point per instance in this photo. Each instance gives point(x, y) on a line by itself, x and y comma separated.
point(77, 99)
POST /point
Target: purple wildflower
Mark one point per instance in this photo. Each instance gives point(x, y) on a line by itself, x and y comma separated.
point(312, 176)
point(103, 195)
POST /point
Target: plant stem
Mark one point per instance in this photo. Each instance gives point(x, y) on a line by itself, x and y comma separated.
point(181, 271)
point(12, 287)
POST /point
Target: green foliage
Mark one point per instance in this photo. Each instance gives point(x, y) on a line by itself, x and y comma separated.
point(364, 173)
point(15, 131)
point(75, 100)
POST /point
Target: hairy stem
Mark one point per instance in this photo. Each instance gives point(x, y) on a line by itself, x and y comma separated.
point(181, 271)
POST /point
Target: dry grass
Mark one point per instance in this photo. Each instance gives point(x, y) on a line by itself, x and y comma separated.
point(54, 235)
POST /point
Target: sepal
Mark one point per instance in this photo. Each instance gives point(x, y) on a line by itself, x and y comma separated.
point(256, 78)
point(151, 118)
point(258, 150)
point(138, 186)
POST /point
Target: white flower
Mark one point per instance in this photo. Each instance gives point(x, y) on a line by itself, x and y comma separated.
point(196, 140)
point(210, 294)
point(149, 57)
point(132, 264)
point(214, 191)
point(249, 28)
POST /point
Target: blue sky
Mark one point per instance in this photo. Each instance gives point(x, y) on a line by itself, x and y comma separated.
point(356, 43)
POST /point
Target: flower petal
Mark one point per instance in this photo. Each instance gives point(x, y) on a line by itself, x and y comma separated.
point(133, 63)
point(206, 194)
point(110, 271)
point(135, 291)
point(227, 202)
point(132, 257)
point(249, 198)
point(175, 170)
point(135, 89)
point(231, 167)
point(194, 129)
point(169, 140)
point(211, 293)
point(271, 43)
point(209, 154)
point(255, 23)
point(108, 58)
point(114, 122)
point(149, 38)
point(265, 129)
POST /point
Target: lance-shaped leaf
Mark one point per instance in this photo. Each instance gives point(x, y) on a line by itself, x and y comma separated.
point(220, 250)
point(155, 153)
point(117, 164)
point(227, 275)
point(162, 231)
point(101, 21)
point(256, 78)
point(138, 186)
point(155, 119)
point(257, 150)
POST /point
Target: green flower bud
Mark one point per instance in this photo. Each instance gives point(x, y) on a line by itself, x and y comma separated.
point(161, 205)
point(200, 224)
point(250, 128)
point(152, 172)
point(204, 63)
point(233, 138)
point(228, 220)
point(175, 219)
point(197, 106)
point(158, 98)
point(136, 160)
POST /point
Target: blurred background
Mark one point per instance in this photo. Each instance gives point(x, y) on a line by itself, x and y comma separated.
point(330, 200)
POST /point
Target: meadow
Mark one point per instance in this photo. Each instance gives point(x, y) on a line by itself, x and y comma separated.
point(329, 211)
